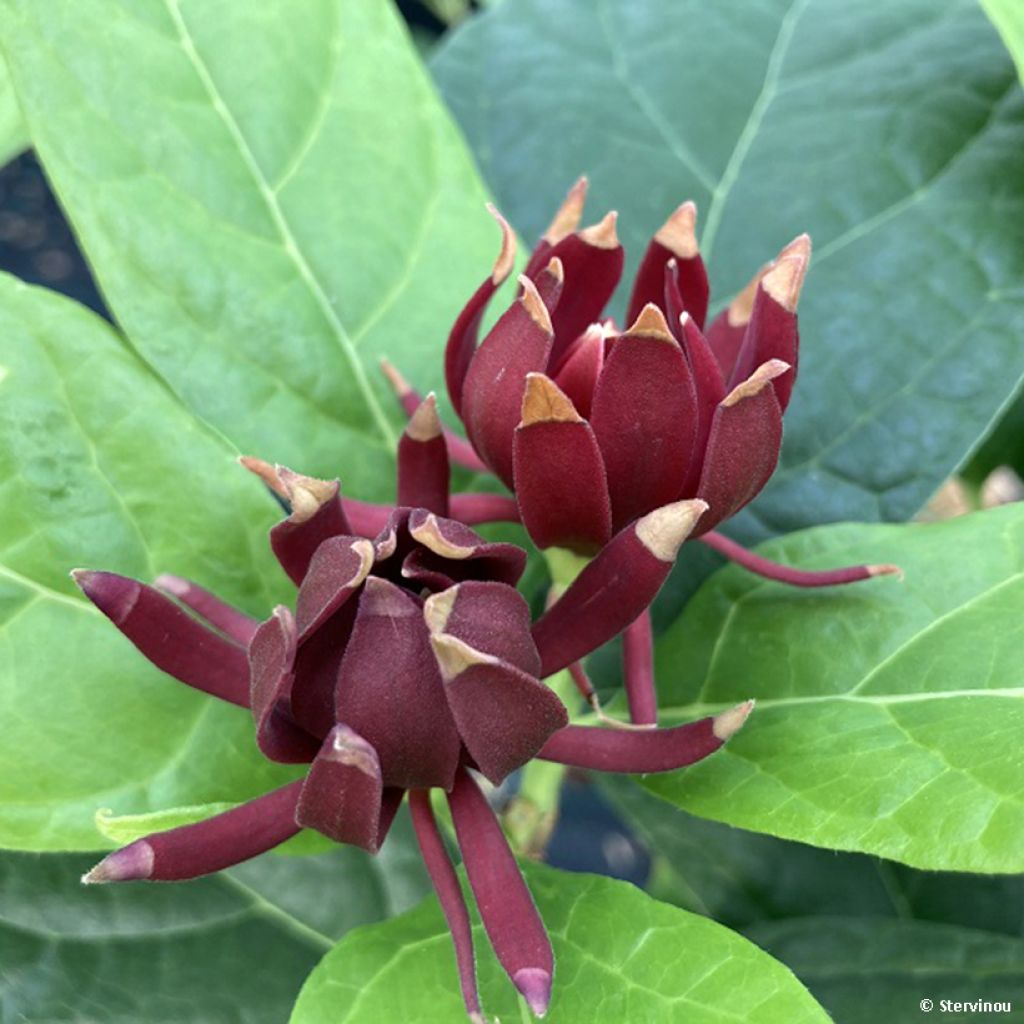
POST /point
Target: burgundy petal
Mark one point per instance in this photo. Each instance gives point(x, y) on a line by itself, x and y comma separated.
point(577, 376)
point(423, 461)
point(772, 331)
point(510, 917)
point(645, 418)
point(458, 552)
point(753, 562)
point(169, 637)
point(206, 846)
point(336, 571)
point(743, 447)
point(638, 670)
point(271, 664)
point(342, 793)
point(675, 240)
point(615, 587)
point(219, 614)
point(504, 716)
point(592, 260)
point(559, 473)
point(390, 690)
point(518, 344)
point(368, 519)
point(449, 893)
point(726, 332)
point(710, 388)
point(492, 617)
point(463, 336)
point(564, 223)
point(643, 750)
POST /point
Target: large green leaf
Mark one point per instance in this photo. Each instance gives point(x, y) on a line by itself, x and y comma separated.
point(868, 970)
point(13, 137)
point(270, 199)
point(190, 951)
point(893, 133)
point(889, 714)
point(1008, 17)
point(100, 465)
point(620, 956)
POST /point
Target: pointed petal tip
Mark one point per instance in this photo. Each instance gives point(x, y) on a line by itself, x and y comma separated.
point(399, 384)
point(556, 269)
point(113, 594)
point(507, 255)
point(651, 323)
point(800, 246)
point(266, 472)
point(663, 531)
point(307, 494)
point(568, 215)
point(728, 723)
point(760, 378)
point(786, 279)
point(535, 985)
point(679, 233)
point(534, 304)
point(545, 402)
point(602, 235)
point(886, 569)
point(742, 307)
point(425, 424)
point(438, 608)
point(129, 864)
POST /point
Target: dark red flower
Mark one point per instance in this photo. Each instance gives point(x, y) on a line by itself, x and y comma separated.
point(409, 661)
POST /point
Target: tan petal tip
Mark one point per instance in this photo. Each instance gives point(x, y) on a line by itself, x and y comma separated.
point(399, 384)
point(800, 246)
point(349, 748)
point(651, 323)
point(763, 375)
point(424, 424)
point(886, 569)
point(663, 531)
point(728, 723)
point(679, 233)
point(534, 305)
point(569, 214)
point(306, 494)
point(785, 280)
point(454, 656)
point(545, 402)
point(602, 235)
point(429, 534)
point(266, 472)
point(555, 269)
point(438, 608)
point(507, 256)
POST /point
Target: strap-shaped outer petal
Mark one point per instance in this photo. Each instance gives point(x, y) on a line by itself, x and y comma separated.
point(335, 572)
point(518, 344)
point(647, 750)
point(390, 690)
point(423, 470)
point(174, 641)
point(491, 617)
point(644, 416)
point(206, 846)
point(743, 446)
point(726, 332)
point(229, 620)
point(516, 931)
point(580, 369)
point(317, 514)
point(462, 340)
point(675, 240)
point(271, 665)
point(342, 794)
point(710, 387)
point(592, 261)
point(503, 715)
point(565, 221)
point(772, 332)
point(615, 587)
point(559, 473)
point(449, 550)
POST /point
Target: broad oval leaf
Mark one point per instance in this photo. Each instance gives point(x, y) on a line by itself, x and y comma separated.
point(271, 197)
point(889, 714)
point(13, 136)
point(101, 466)
point(1008, 17)
point(893, 133)
point(619, 956)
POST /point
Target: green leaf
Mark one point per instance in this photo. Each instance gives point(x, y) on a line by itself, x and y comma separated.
point(139, 953)
point(269, 203)
point(888, 713)
point(620, 956)
point(893, 133)
point(865, 970)
point(13, 136)
point(101, 466)
point(1008, 17)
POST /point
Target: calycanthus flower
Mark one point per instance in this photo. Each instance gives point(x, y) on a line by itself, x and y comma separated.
point(408, 663)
